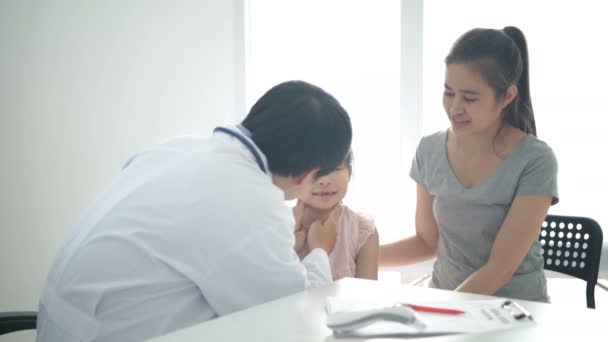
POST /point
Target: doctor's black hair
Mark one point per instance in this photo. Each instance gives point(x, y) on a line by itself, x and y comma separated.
point(299, 127)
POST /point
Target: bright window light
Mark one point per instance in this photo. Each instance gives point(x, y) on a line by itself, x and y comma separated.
point(352, 50)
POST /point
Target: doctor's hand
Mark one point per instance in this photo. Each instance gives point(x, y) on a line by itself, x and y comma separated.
point(323, 234)
point(301, 213)
point(304, 216)
point(300, 240)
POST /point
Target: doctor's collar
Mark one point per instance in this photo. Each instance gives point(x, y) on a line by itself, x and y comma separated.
point(250, 145)
point(245, 131)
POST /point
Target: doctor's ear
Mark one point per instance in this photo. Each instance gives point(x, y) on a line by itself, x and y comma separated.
point(306, 176)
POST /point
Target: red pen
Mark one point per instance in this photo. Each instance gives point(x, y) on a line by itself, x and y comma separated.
point(445, 311)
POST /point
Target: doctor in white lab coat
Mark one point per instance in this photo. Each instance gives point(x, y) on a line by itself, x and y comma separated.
point(197, 227)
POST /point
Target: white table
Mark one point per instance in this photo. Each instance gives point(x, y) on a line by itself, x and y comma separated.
point(301, 317)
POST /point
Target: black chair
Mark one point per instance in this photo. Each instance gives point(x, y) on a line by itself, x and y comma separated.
point(573, 245)
point(17, 321)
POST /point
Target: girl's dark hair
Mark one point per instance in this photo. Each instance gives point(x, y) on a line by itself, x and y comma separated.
point(501, 57)
point(348, 162)
point(299, 127)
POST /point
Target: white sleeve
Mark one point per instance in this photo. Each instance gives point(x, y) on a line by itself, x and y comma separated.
point(261, 267)
point(317, 268)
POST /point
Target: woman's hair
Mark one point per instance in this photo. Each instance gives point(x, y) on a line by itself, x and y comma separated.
point(501, 57)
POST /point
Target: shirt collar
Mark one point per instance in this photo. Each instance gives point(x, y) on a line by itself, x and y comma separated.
point(244, 131)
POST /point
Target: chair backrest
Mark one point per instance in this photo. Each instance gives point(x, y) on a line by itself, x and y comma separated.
point(573, 245)
point(17, 321)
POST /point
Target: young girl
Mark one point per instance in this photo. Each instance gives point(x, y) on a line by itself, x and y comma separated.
point(486, 183)
point(355, 253)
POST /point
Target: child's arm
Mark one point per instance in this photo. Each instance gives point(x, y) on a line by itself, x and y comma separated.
point(367, 259)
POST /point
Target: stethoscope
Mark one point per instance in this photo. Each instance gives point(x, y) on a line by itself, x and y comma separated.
point(247, 144)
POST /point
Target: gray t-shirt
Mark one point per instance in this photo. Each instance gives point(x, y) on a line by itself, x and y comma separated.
point(468, 219)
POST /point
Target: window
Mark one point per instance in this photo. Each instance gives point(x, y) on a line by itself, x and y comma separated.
point(352, 50)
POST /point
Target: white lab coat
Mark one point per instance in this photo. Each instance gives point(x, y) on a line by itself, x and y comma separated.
point(189, 231)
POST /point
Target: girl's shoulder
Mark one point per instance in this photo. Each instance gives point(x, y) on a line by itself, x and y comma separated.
point(364, 222)
point(358, 226)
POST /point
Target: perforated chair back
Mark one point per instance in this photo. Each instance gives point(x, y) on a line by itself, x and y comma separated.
point(17, 321)
point(573, 245)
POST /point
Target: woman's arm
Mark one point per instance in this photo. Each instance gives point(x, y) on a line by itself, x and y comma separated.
point(419, 247)
point(367, 259)
point(518, 232)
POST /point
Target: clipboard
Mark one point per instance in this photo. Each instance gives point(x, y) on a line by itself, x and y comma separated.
point(478, 316)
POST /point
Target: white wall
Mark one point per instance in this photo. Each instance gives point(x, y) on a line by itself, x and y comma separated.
point(83, 84)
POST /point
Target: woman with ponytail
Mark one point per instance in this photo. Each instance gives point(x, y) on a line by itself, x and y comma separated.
point(485, 184)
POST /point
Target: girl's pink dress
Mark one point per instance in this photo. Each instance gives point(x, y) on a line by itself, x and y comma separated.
point(353, 231)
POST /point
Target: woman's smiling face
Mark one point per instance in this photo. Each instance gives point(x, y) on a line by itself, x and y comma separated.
point(469, 101)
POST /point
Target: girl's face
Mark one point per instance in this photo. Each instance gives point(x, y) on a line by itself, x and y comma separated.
point(469, 102)
point(329, 190)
